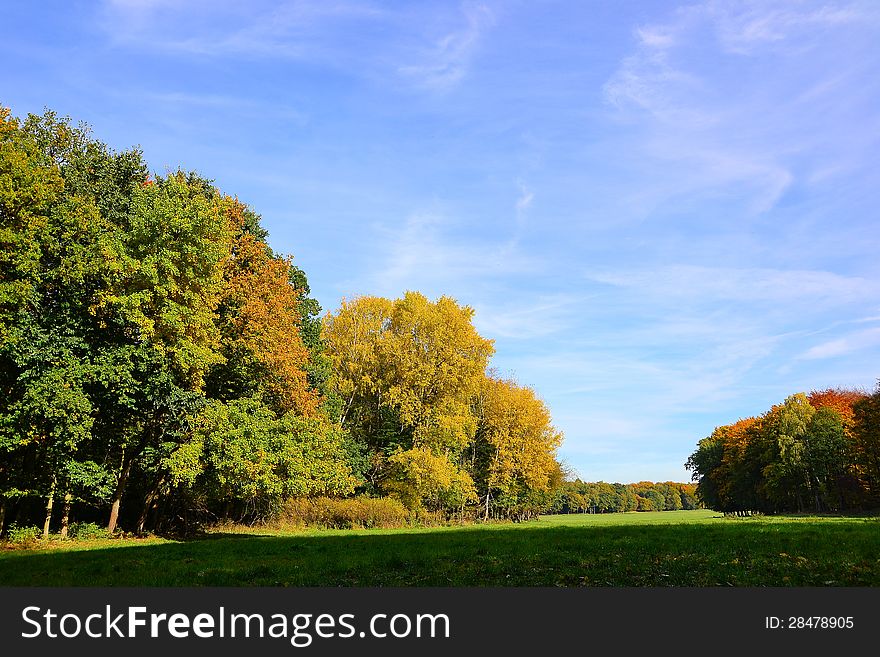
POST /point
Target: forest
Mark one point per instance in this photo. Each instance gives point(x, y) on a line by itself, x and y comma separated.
point(817, 452)
point(161, 367)
point(599, 497)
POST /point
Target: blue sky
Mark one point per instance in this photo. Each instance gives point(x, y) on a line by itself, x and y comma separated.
point(666, 216)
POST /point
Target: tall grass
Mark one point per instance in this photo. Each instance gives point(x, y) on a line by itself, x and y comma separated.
point(353, 513)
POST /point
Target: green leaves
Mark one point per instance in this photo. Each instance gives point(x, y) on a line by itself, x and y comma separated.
point(806, 453)
point(242, 452)
point(119, 295)
point(155, 351)
point(177, 243)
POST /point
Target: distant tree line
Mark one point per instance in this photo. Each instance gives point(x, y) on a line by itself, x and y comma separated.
point(587, 497)
point(162, 367)
point(818, 452)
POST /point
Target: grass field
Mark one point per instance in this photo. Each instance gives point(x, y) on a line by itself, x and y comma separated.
point(673, 548)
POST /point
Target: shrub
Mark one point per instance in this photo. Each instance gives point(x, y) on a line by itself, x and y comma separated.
point(351, 513)
point(426, 518)
point(22, 535)
point(87, 530)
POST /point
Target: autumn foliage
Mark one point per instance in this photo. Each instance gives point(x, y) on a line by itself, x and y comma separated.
point(161, 367)
point(258, 307)
point(153, 369)
point(812, 452)
point(434, 428)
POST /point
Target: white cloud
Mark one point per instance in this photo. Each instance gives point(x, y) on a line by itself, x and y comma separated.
point(524, 201)
point(743, 27)
point(715, 284)
point(646, 81)
point(299, 29)
point(422, 254)
point(523, 204)
point(340, 34)
point(525, 317)
point(246, 107)
point(848, 344)
point(656, 37)
point(750, 128)
point(445, 63)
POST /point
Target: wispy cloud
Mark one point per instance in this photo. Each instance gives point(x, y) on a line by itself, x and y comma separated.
point(445, 63)
point(298, 29)
point(724, 284)
point(423, 254)
point(734, 127)
point(231, 105)
point(524, 200)
point(522, 205)
point(847, 344)
point(743, 27)
point(338, 33)
point(525, 317)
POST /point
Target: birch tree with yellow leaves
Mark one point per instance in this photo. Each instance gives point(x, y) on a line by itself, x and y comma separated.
point(438, 431)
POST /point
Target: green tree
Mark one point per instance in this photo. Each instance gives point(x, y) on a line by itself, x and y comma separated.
point(246, 459)
point(787, 475)
point(705, 464)
point(827, 458)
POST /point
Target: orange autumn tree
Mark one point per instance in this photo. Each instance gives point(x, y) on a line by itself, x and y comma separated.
point(262, 436)
point(258, 316)
point(840, 400)
point(739, 467)
point(853, 486)
point(811, 452)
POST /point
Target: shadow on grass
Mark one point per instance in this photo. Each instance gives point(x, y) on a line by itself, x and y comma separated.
point(215, 536)
point(779, 553)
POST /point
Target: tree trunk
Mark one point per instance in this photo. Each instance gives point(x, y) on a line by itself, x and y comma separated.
point(49, 502)
point(149, 503)
point(65, 514)
point(117, 495)
point(2, 513)
point(346, 410)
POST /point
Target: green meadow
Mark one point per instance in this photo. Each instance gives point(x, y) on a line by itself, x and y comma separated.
point(674, 548)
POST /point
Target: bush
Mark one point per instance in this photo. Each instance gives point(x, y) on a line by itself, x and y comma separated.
point(351, 513)
point(425, 518)
point(87, 530)
point(22, 535)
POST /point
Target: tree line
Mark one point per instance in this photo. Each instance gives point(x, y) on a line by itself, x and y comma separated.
point(162, 367)
point(599, 497)
point(813, 452)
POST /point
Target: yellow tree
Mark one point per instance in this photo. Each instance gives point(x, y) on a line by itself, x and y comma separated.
point(407, 371)
point(516, 440)
point(435, 361)
point(353, 338)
